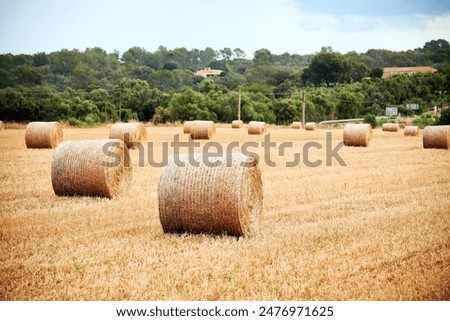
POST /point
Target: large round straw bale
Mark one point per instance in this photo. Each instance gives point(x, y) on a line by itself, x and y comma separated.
point(390, 127)
point(310, 126)
point(130, 133)
point(91, 168)
point(357, 134)
point(411, 130)
point(436, 137)
point(237, 124)
point(297, 125)
point(203, 129)
point(220, 194)
point(43, 134)
point(187, 126)
point(2, 125)
point(256, 127)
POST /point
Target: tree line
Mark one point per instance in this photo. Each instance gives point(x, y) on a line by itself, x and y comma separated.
point(92, 86)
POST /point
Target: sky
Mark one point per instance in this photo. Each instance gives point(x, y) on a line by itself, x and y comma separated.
point(292, 26)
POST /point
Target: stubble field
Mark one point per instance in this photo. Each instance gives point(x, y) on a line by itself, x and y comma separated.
point(376, 229)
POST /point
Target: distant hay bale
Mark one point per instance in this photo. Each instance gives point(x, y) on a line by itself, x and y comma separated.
point(390, 127)
point(224, 198)
point(297, 125)
point(436, 137)
point(130, 133)
point(411, 130)
point(203, 129)
point(91, 168)
point(187, 126)
point(310, 126)
point(43, 134)
point(357, 134)
point(256, 127)
point(2, 125)
point(237, 124)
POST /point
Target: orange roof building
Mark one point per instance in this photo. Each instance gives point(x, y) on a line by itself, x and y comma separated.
point(407, 71)
point(208, 72)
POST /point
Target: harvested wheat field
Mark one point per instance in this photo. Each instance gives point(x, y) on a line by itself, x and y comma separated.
point(376, 229)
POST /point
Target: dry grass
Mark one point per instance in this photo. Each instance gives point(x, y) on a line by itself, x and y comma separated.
point(327, 233)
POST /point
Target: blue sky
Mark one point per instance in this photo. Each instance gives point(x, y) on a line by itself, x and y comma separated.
point(293, 26)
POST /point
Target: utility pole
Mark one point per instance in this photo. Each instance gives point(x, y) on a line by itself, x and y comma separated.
point(303, 108)
point(239, 105)
point(120, 102)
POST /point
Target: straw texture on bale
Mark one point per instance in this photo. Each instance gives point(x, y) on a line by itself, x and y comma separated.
point(203, 129)
point(91, 168)
point(130, 133)
point(297, 125)
point(436, 137)
point(411, 130)
point(357, 134)
point(390, 127)
point(226, 198)
point(237, 124)
point(43, 134)
point(256, 127)
point(187, 126)
point(310, 126)
point(2, 125)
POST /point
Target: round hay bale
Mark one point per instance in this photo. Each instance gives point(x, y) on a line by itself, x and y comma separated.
point(411, 130)
point(130, 133)
point(436, 137)
point(91, 168)
point(357, 134)
point(187, 126)
point(310, 126)
point(2, 125)
point(43, 134)
point(390, 127)
point(297, 125)
point(203, 129)
point(256, 127)
point(227, 198)
point(237, 124)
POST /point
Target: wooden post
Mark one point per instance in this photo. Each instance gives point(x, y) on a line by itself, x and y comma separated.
point(239, 105)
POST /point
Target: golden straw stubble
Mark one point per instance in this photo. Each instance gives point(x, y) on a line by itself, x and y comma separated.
point(131, 133)
point(91, 168)
point(357, 134)
point(43, 134)
point(200, 193)
point(436, 137)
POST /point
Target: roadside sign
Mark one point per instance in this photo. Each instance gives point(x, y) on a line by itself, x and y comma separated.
point(412, 106)
point(391, 111)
